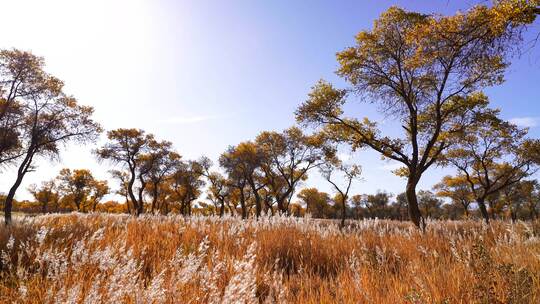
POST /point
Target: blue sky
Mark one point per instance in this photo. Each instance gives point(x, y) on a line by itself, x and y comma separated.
point(208, 74)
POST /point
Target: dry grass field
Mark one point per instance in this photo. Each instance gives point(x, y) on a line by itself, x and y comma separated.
point(95, 258)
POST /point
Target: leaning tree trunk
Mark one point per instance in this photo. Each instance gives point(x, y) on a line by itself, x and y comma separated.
point(8, 205)
point(415, 214)
point(23, 168)
point(483, 209)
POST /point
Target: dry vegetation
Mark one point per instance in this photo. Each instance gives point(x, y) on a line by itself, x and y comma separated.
point(96, 258)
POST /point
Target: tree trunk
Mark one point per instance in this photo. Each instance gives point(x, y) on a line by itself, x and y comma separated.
point(483, 209)
point(77, 205)
point(131, 194)
point(243, 204)
point(8, 205)
point(183, 208)
point(221, 207)
point(140, 204)
point(280, 199)
point(128, 205)
point(343, 211)
point(281, 206)
point(154, 201)
point(269, 208)
point(139, 208)
point(513, 215)
point(414, 212)
point(155, 193)
point(23, 168)
point(258, 208)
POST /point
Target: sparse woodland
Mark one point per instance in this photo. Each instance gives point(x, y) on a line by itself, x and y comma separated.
point(243, 228)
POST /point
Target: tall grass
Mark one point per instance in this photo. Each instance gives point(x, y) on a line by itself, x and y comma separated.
point(81, 258)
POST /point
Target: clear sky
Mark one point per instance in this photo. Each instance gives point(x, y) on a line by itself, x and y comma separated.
point(208, 74)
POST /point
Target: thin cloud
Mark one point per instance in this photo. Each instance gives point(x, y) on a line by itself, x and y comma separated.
point(188, 119)
point(525, 122)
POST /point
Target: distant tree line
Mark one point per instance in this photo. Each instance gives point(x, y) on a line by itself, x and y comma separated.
point(450, 199)
point(425, 72)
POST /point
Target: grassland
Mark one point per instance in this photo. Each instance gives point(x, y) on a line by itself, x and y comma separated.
point(98, 258)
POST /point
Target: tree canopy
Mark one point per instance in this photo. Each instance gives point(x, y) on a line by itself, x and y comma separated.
point(425, 72)
point(36, 116)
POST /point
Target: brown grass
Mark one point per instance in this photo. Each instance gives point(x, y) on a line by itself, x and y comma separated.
point(104, 258)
